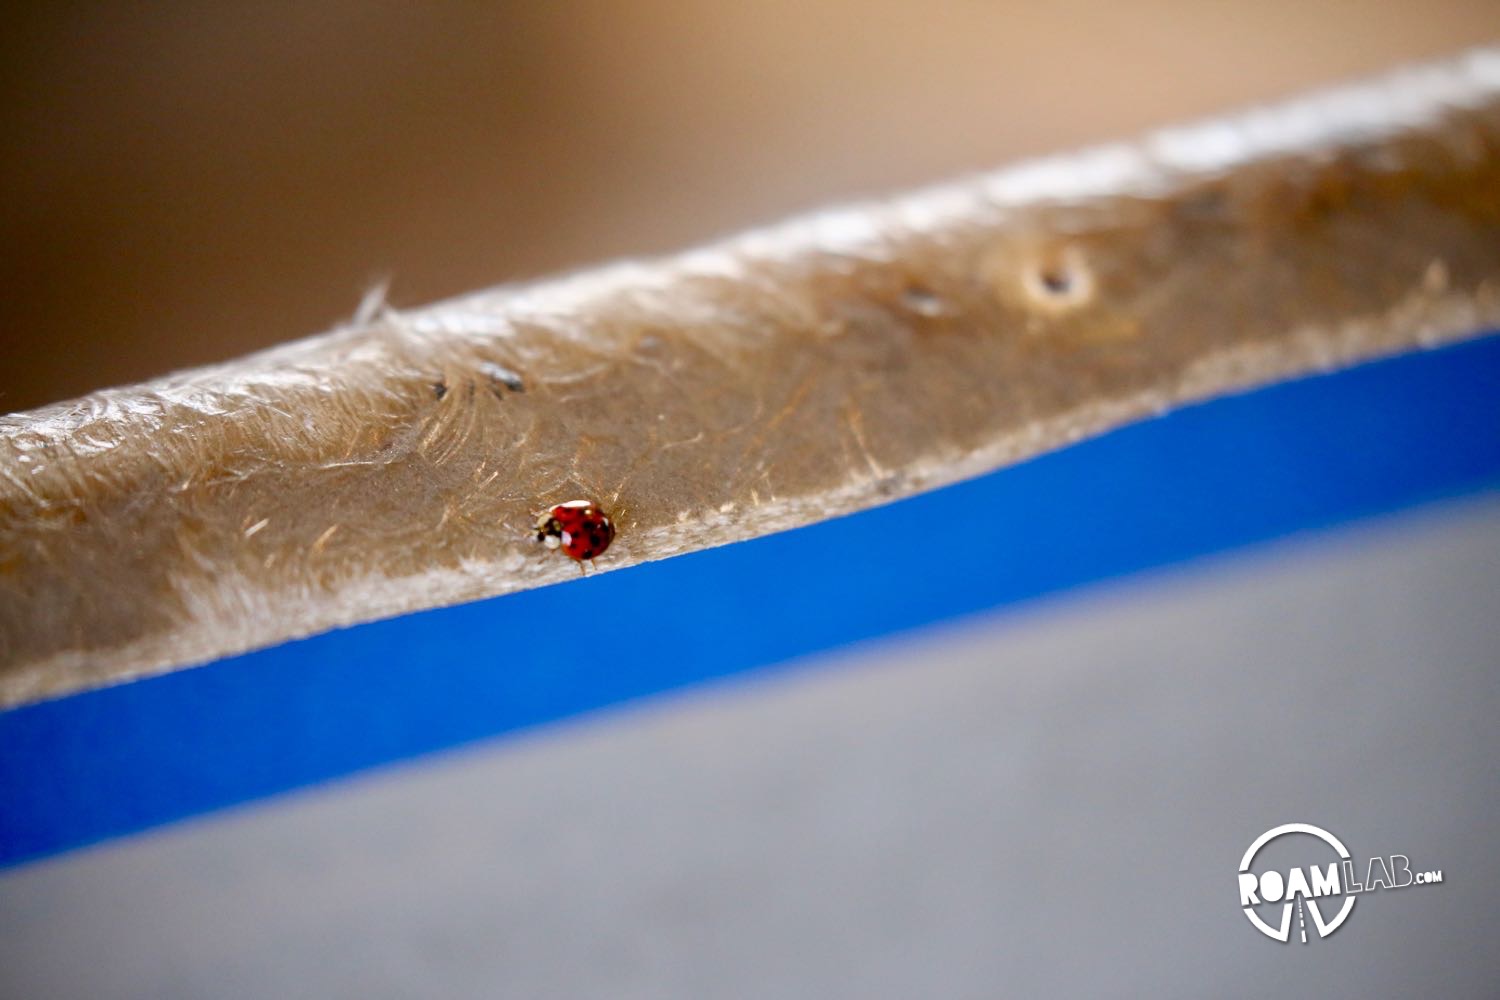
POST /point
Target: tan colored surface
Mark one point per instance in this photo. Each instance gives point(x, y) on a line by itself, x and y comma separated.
point(183, 183)
point(792, 374)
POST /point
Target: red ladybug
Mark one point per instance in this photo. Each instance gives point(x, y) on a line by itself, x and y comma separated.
point(578, 527)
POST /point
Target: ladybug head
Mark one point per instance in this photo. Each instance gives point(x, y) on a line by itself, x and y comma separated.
point(548, 531)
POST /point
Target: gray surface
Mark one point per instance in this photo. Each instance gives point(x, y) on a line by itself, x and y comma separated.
point(1052, 802)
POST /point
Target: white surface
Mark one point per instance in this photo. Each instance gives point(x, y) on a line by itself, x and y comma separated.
point(1045, 803)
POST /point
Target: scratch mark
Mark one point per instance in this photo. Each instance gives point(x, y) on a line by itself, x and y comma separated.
point(855, 421)
point(373, 304)
point(804, 386)
point(317, 546)
point(499, 375)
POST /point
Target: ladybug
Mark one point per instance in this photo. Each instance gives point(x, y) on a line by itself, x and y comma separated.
point(578, 527)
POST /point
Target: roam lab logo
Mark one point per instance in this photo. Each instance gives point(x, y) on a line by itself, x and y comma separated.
point(1324, 886)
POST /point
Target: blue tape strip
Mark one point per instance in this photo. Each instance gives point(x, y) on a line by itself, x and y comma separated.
point(1237, 470)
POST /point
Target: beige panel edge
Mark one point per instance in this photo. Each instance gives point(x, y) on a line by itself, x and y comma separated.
point(792, 374)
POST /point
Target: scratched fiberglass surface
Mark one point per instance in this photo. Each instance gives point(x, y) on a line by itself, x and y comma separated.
point(1290, 458)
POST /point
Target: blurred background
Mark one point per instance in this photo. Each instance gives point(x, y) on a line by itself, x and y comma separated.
point(182, 183)
point(1047, 797)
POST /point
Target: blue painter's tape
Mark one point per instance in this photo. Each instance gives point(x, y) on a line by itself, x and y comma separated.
point(1289, 458)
